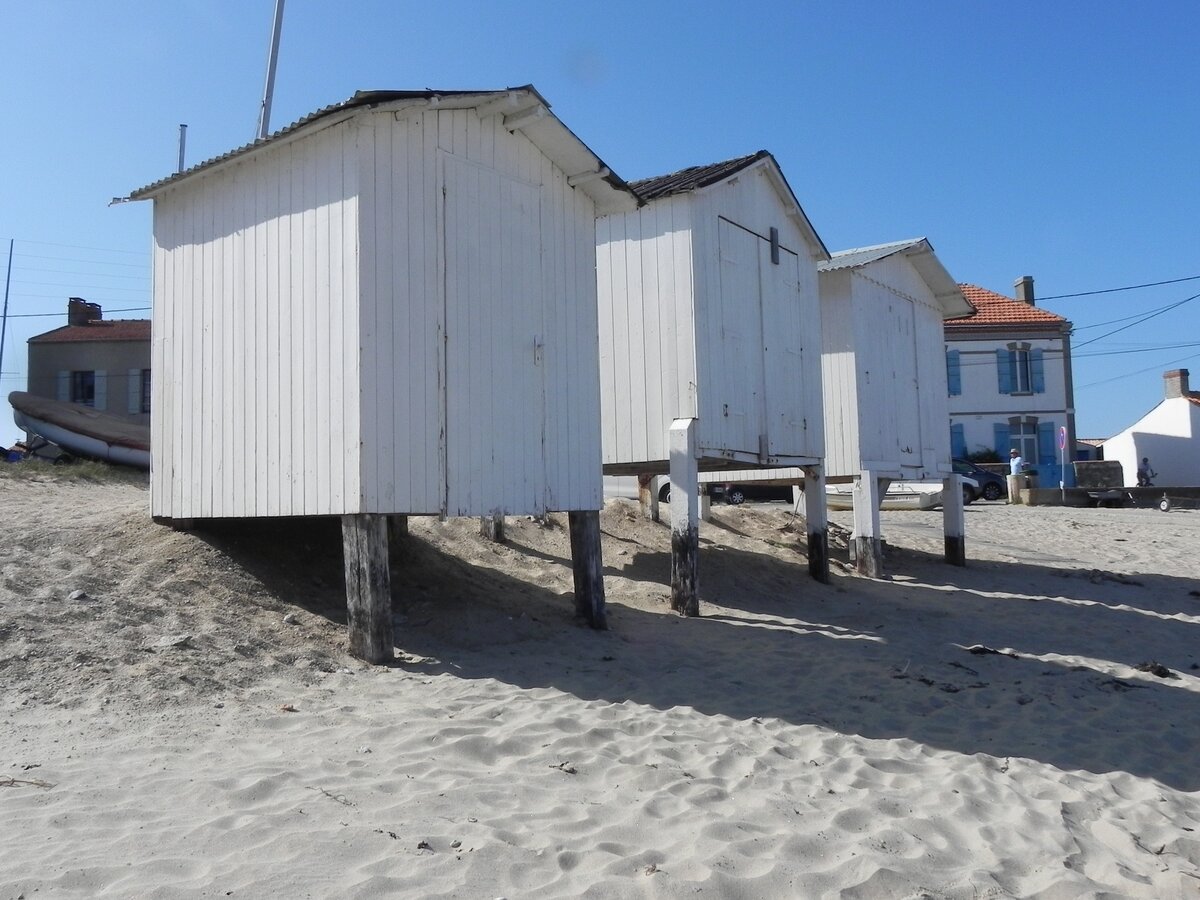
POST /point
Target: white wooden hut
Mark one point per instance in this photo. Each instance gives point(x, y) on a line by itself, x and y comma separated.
point(710, 336)
point(884, 373)
point(385, 308)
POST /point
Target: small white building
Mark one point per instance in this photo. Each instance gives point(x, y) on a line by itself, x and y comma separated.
point(886, 413)
point(1168, 436)
point(1009, 374)
point(388, 307)
point(710, 327)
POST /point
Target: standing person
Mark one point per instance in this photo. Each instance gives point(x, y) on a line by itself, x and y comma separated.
point(1015, 462)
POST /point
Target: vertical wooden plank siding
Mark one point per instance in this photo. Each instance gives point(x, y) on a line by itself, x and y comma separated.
point(248, 272)
point(644, 272)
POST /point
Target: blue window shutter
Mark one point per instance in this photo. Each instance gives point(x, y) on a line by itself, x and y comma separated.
point(1004, 363)
point(1001, 437)
point(1037, 371)
point(1047, 443)
point(958, 441)
point(953, 373)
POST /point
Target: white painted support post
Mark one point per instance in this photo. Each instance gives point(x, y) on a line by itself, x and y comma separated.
point(868, 554)
point(953, 520)
point(685, 518)
point(816, 520)
point(587, 565)
point(705, 504)
point(368, 587)
point(648, 496)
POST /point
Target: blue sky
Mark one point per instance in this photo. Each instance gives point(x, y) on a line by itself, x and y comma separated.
point(1054, 140)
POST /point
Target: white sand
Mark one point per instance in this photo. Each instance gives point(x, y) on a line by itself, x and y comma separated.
point(799, 740)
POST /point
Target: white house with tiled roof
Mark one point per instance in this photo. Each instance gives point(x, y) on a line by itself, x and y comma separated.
point(1008, 369)
point(1168, 436)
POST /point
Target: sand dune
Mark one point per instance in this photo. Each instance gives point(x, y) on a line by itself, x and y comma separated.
point(193, 727)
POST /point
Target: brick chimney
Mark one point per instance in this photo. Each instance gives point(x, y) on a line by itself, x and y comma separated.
point(1024, 288)
point(80, 312)
point(1175, 384)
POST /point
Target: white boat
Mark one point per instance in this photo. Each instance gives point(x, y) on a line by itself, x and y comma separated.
point(900, 495)
point(82, 431)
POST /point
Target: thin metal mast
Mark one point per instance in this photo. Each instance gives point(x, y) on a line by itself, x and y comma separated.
point(264, 114)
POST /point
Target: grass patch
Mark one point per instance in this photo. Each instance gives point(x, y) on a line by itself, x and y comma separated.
point(82, 470)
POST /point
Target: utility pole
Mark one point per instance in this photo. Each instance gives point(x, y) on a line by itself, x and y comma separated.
point(4, 316)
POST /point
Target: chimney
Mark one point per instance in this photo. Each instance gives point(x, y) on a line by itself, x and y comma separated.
point(1024, 286)
point(1175, 384)
point(80, 312)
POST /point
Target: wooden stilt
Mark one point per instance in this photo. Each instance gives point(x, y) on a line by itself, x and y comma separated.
point(587, 565)
point(816, 520)
point(648, 496)
point(397, 534)
point(705, 504)
point(954, 521)
point(868, 554)
point(368, 587)
point(492, 528)
point(685, 519)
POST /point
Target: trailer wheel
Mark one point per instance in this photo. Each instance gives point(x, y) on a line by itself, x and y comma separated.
point(1164, 504)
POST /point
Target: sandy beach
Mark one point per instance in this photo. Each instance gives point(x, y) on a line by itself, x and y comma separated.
point(190, 725)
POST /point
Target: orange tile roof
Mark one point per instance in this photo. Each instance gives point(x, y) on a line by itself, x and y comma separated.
point(98, 330)
point(996, 309)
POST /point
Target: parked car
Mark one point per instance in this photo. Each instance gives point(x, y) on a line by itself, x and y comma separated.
point(989, 485)
point(737, 492)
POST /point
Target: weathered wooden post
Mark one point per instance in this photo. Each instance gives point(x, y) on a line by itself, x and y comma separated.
point(705, 504)
point(685, 518)
point(954, 521)
point(492, 527)
point(648, 497)
point(587, 566)
point(816, 520)
point(868, 554)
point(368, 587)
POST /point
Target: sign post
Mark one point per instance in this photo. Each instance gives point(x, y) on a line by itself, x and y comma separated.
point(1062, 456)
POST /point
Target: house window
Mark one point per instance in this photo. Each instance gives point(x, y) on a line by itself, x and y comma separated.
point(1022, 374)
point(145, 390)
point(1023, 435)
point(83, 388)
point(1021, 369)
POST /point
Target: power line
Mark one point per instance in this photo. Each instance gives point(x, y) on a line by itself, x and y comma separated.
point(79, 247)
point(60, 314)
point(1173, 362)
point(1132, 287)
point(1145, 318)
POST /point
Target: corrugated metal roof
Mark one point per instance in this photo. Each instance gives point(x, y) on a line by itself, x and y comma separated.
point(849, 259)
point(106, 330)
point(363, 99)
point(996, 309)
point(920, 252)
point(692, 178)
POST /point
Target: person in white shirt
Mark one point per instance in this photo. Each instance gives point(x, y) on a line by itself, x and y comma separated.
point(1015, 462)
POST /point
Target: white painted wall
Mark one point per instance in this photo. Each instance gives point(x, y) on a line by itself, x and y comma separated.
point(1170, 436)
point(884, 372)
point(395, 313)
point(981, 405)
point(683, 333)
point(255, 395)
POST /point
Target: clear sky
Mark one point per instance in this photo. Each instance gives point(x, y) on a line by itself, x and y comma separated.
point(1058, 140)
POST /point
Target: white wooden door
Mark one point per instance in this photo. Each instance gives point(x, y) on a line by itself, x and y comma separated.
point(902, 395)
point(762, 376)
point(784, 336)
point(740, 376)
point(494, 385)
